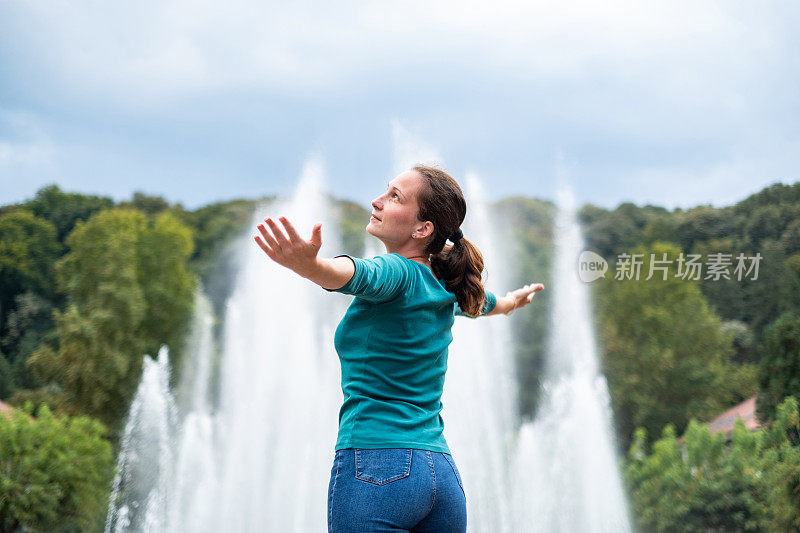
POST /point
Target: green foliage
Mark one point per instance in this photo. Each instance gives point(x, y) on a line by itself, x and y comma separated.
point(705, 484)
point(29, 324)
point(352, 219)
point(743, 340)
point(665, 354)
point(774, 292)
point(790, 238)
point(64, 210)
point(167, 284)
point(28, 249)
point(215, 227)
point(7, 385)
point(129, 291)
point(768, 213)
point(54, 472)
point(727, 296)
point(150, 205)
point(698, 487)
point(701, 224)
point(779, 369)
point(608, 232)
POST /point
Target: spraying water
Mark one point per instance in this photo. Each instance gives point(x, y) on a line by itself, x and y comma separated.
point(565, 475)
point(480, 392)
point(257, 457)
point(140, 486)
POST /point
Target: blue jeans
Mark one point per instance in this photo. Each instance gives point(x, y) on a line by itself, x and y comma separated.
point(395, 489)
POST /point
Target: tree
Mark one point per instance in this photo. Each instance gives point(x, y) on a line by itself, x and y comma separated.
point(607, 233)
point(151, 205)
point(749, 484)
point(129, 291)
point(29, 324)
point(703, 223)
point(54, 471)
point(779, 465)
point(28, 249)
point(694, 488)
point(64, 210)
point(779, 368)
point(665, 353)
point(168, 286)
point(773, 293)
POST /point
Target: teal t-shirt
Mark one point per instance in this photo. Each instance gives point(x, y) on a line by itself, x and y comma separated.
point(392, 345)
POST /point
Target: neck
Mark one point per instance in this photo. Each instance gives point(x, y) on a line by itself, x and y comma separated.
point(409, 252)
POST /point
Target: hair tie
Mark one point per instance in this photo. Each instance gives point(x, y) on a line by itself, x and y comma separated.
point(455, 237)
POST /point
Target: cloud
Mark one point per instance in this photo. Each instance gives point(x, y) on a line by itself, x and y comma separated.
point(719, 182)
point(409, 149)
point(18, 154)
point(633, 92)
point(154, 50)
point(26, 151)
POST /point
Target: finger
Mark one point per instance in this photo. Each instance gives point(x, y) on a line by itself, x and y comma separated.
point(279, 236)
point(316, 235)
point(268, 237)
point(263, 246)
point(293, 236)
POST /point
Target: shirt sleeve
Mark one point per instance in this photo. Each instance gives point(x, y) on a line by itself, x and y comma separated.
point(488, 305)
point(379, 279)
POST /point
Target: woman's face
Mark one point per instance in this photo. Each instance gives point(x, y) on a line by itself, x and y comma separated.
point(394, 213)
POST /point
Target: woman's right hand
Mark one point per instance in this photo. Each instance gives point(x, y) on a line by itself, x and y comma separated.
point(523, 296)
point(293, 252)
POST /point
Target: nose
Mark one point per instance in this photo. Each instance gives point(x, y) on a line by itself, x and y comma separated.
point(377, 203)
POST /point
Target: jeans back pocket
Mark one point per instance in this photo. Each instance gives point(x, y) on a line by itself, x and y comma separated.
point(383, 465)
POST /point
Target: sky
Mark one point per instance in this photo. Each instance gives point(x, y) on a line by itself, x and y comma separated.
point(676, 104)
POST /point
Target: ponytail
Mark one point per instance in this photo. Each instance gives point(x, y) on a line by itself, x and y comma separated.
point(460, 265)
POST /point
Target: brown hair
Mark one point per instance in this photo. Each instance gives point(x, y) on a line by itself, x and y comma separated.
point(460, 265)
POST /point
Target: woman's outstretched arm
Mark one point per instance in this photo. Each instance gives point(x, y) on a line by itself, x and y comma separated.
point(515, 299)
point(300, 255)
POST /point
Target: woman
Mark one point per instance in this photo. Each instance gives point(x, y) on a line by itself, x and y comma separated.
point(392, 468)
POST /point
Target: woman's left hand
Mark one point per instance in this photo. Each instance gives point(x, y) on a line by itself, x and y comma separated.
point(293, 252)
point(524, 296)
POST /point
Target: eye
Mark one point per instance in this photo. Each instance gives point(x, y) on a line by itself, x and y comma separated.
point(394, 194)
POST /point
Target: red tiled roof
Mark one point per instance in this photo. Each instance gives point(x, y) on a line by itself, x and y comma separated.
point(745, 410)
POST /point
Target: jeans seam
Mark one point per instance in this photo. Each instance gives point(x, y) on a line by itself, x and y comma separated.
point(433, 473)
point(458, 476)
point(335, 479)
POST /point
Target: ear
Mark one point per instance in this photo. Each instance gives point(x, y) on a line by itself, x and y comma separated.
point(424, 229)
